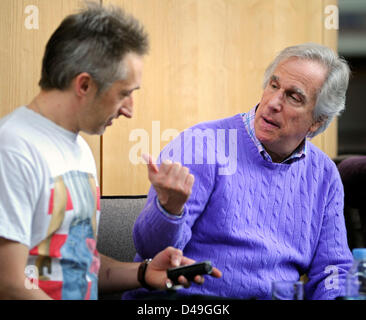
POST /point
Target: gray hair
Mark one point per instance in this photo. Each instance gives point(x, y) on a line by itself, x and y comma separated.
point(94, 40)
point(331, 96)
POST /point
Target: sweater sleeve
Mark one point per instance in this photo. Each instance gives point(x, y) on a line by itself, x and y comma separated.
point(154, 230)
point(332, 258)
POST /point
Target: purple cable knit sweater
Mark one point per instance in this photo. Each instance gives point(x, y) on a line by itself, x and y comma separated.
point(257, 223)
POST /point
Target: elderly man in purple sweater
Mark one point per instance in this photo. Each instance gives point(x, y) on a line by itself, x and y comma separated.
point(266, 204)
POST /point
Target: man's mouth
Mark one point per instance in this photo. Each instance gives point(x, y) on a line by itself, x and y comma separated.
point(270, 122)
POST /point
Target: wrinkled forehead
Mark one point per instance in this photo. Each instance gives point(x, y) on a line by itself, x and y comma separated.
point(306, 76)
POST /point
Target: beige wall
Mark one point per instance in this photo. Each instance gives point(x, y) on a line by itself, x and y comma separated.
point(206, 62)
point(21, 52)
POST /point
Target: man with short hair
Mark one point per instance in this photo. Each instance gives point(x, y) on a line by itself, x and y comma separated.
point(274, 211)
point(49, 199)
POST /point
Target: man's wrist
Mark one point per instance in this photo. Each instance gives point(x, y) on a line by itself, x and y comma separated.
point(168, 213)
point(141, 274)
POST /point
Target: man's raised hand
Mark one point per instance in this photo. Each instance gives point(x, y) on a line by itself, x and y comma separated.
point(172, 182)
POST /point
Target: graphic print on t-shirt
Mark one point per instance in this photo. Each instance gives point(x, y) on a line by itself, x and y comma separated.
point(67, 260)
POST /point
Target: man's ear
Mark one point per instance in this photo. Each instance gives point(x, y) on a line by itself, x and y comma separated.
point(317, 124)
point(83, 84)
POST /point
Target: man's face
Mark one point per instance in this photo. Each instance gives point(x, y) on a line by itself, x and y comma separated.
point(116, 100)
point(285, 113)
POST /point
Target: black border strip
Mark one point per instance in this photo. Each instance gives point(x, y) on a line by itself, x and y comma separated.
point(125, 197)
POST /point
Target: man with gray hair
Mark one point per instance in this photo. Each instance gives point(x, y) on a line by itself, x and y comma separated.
point(280, 214)
point(49, 200)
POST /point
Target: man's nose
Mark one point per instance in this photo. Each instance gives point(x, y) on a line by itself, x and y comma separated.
point(128, 101)
point(276, 100)
point(127, 107)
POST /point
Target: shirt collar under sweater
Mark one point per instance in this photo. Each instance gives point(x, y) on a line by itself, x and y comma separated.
point(248, 119)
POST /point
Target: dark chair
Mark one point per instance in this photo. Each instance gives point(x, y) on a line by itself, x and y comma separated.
point(117, 218)
point(353, 173)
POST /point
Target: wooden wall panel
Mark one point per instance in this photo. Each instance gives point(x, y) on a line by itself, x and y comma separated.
point(206, 61)
point(22, 49)
point(330, 136)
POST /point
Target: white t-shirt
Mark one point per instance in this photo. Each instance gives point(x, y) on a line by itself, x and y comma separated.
point(49, 201)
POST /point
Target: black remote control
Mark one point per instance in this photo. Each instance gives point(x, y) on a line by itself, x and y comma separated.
point(189, 271)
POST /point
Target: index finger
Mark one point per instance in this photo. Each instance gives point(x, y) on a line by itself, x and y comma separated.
point(216, 273)
point(151, 167)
